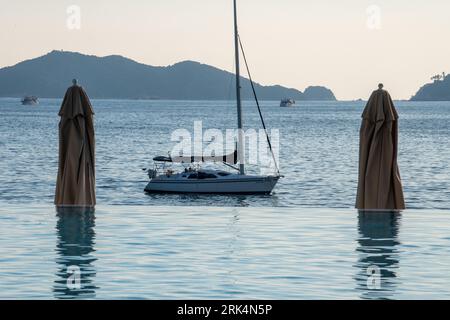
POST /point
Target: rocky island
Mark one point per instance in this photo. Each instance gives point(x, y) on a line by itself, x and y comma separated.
point(438, 90)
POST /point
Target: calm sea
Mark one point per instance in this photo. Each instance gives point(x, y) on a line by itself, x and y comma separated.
point(304, 241)
point(318, 151)
point(147, 252)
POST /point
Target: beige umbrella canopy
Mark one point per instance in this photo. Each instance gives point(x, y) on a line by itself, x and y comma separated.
point(379, 185)
point(75, 185)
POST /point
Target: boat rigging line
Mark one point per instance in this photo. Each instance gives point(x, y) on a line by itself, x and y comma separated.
point(257, 104)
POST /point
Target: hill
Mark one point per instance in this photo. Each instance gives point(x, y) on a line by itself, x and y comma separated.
point(439, 90)
point(117, 77)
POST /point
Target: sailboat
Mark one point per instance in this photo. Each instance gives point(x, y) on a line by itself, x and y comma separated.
point(194, 179)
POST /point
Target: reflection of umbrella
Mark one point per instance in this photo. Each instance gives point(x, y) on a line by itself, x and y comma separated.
point(76, 273)
point(76, 174)
point(379, 185)
point(378, 251)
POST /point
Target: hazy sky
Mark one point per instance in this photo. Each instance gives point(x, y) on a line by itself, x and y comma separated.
point(347, 45)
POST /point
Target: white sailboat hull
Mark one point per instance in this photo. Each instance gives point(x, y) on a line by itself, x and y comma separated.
point(233, 185)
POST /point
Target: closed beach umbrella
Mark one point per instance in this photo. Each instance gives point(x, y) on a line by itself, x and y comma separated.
point(379, 185)
point(75, 185)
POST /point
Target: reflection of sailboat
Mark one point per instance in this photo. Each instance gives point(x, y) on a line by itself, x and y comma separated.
point(196, 181)
point(75, 245)
point(378, 256)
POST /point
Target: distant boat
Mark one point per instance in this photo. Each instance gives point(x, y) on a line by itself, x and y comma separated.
point(199, 181)
point(287, 102)
point(30, 101)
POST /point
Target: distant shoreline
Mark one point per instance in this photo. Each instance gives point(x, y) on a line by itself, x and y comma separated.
point(152, 99)
point(117, 76)
point(226, 100)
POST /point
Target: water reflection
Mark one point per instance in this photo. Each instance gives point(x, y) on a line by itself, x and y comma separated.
point(187, 199)
point(75, 248)
point(378, 254)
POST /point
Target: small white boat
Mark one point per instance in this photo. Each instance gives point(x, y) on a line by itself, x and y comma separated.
point(287, 103)
point(196, 180)
point(30, 101)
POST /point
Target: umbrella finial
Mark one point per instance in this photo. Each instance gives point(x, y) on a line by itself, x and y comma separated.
point(380, 86)
point(75, 82)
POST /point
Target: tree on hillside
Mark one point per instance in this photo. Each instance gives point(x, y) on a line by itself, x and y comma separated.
point(439, 77)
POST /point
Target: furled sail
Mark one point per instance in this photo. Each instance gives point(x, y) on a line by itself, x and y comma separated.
point(232, 158)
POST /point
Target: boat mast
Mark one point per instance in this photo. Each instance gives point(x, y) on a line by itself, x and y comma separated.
point(240, 144)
